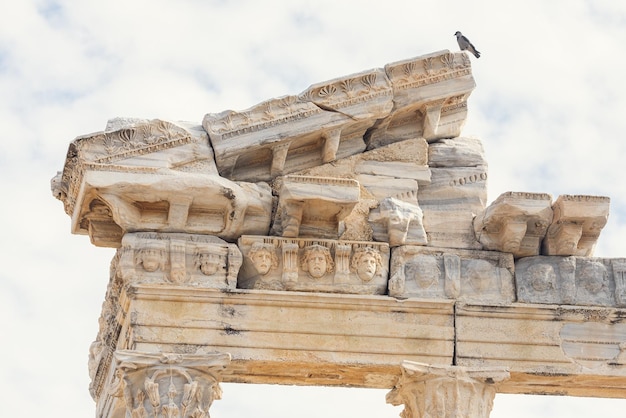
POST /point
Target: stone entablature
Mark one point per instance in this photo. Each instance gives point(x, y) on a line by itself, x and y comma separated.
point(325, 238)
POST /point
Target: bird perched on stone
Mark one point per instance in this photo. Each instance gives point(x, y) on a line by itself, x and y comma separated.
point(465, 44)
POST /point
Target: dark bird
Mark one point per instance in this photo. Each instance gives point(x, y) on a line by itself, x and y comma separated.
point(465, 44)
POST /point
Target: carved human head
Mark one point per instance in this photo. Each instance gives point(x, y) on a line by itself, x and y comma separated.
point(480, 274)
point(541, 277)
point(424, 269)
point(399, 215)
point(209, 263)
point(366, 262)
point(151, 258)
point(317, 261)
point(593, 276)
point(263, 257)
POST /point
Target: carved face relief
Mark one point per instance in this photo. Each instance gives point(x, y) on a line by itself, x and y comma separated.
point(397, 224)
point(317, 261)
point(262, 260)
point(593, 276)
point(151, 259)
point(479, 275)
point(366, 263)
point(424, 270)
point(542, 277)
point(208, 263)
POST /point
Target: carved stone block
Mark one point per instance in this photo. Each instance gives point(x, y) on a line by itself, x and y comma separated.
point(449, 204)
point(446, 391)
point(314, 265)
point(152, 176)
point(578, 221)
point(472, 276)
point(182, 259)
point(398, 223)
point(515, 223)
point(570, 280)
point(279, 136)
point(456, 152)
point(314, 206)
point(430, 98)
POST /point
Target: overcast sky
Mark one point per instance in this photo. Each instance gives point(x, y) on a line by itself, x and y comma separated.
point(550, 108)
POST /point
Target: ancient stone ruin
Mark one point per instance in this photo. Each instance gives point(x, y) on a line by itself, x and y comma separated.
point(339, 237)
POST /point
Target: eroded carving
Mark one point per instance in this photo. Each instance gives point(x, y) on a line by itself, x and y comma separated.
point(398, 222)
point(474, 276)
point(446, 391)
point(183, 259)
point(167, 385)
point(515, 223)
point(578, 221)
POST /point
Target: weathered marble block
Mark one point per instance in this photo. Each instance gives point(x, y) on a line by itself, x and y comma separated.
point(456, 152)
point(286, 134)
point(184, 259)
point(430, 98)
point(314, 206)
point(571, 280)
point(473, 276)
point(515, 223)
point(578, 221)
point(450, 202)
point(314, 265)
point(398, 222)
point(155, 176)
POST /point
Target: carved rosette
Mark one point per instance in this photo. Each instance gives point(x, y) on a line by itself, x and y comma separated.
point(168, 385)
point(428, 391)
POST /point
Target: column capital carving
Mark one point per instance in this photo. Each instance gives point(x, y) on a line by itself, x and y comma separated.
point(429, 391)
point(167, 384)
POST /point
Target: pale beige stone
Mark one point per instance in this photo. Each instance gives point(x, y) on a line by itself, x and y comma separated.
point(165, 384)
point(429, 99)
point(182, 259)
point(456, 152)
point(398, 223)
point(314, 265)
point(476, 276)
point(279, 136)
point(515, 223)
point(446, 391)
point(582, 281)
point(549, 349)
point(314, 206)
point(578, 221)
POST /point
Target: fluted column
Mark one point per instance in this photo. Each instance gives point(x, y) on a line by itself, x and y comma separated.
point(446, 391)
point(167, 385)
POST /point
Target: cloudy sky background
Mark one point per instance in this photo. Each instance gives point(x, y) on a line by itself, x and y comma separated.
point(550, 108)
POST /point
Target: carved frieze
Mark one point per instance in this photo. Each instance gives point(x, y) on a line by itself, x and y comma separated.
point(314, 206)
point(571, 280)
point(167, 384)
point(290, 133)
point(201, 261)
point(314, 265)
point(430, 98)
point(471, 276)
point(515, 223)
point(578, 221)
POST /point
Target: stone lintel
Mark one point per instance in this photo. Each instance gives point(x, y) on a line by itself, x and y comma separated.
point(446, 391)
point(549, 349)
point(578, 221)
point(292, 337)
point(515, 223)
